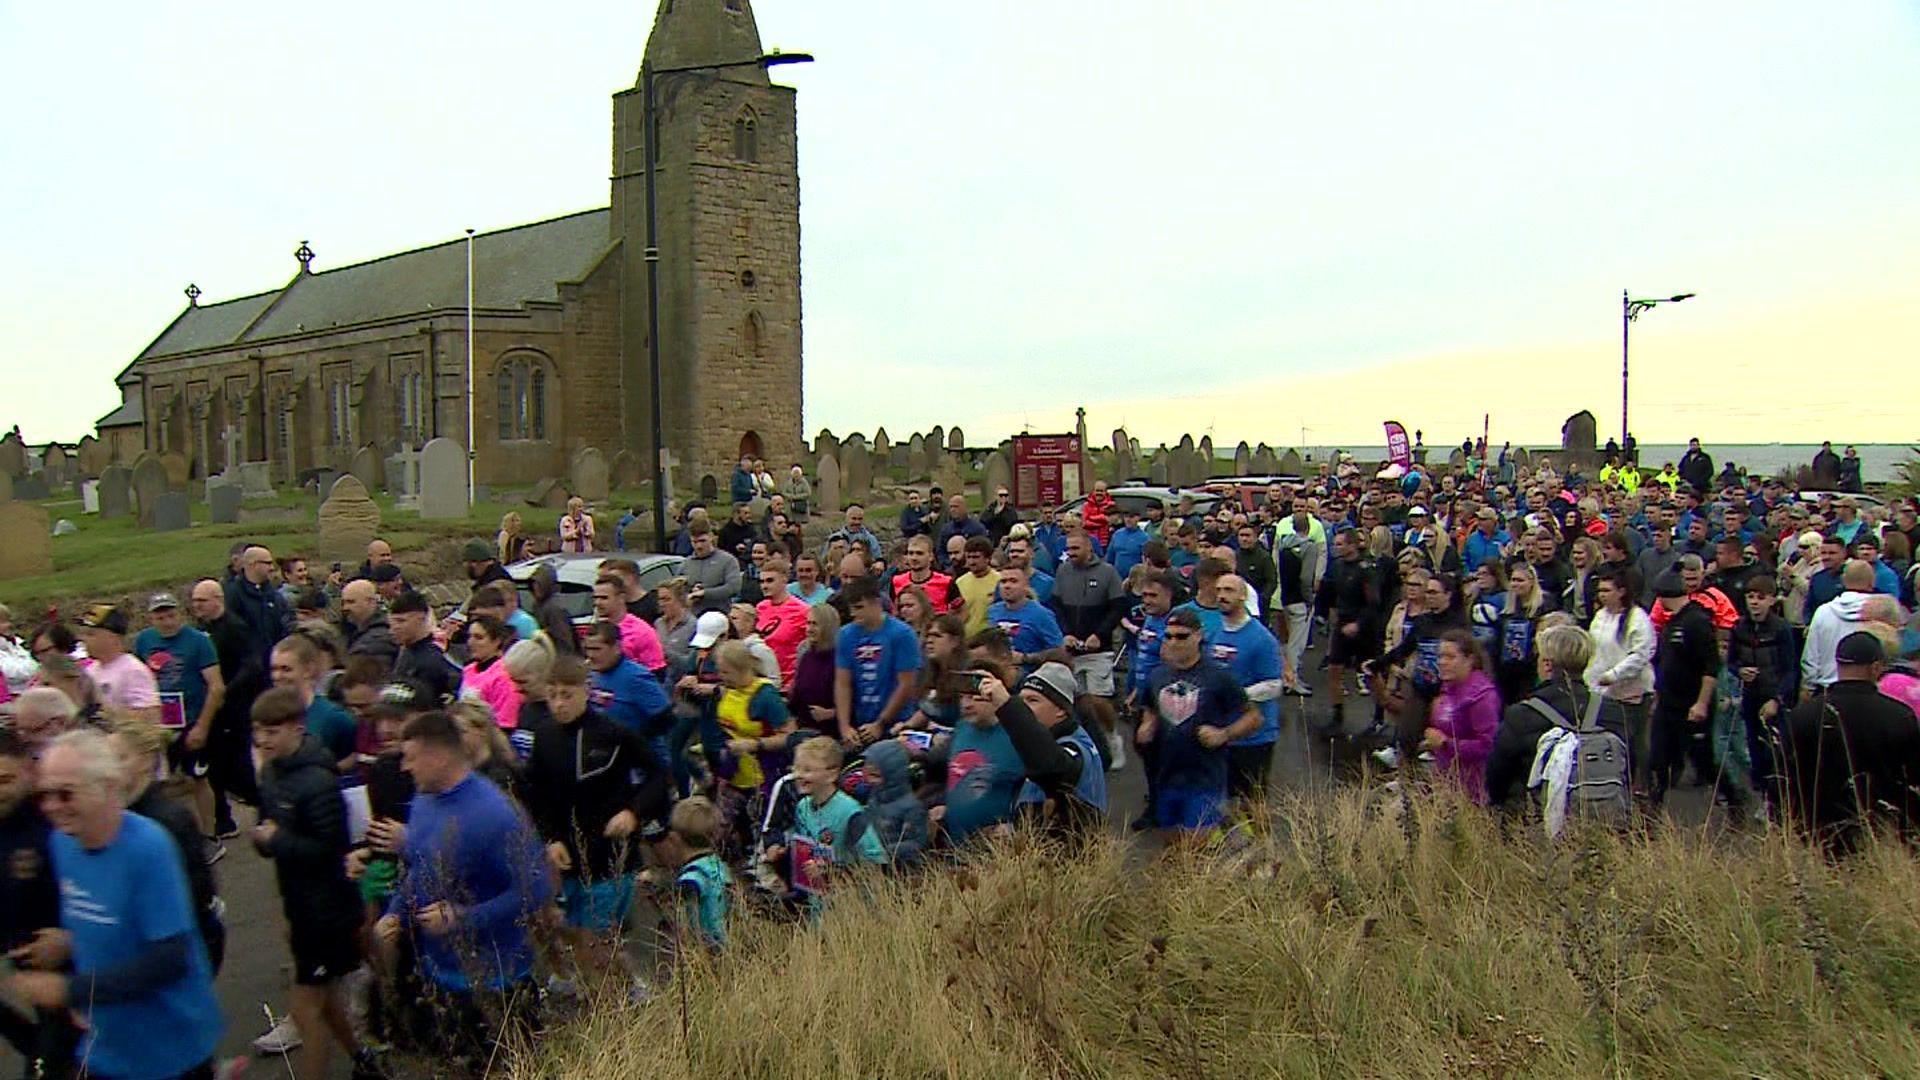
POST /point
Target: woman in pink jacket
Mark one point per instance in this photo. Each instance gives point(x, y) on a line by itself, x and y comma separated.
point(485, 676)
point(1465, 716)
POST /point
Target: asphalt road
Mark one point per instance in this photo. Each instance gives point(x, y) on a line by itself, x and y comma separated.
point(256, 970)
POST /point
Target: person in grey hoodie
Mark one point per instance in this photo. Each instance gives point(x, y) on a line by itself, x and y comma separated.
point(1654, 560)
point(1837, 618)
point(897, 816)
point(713, 576)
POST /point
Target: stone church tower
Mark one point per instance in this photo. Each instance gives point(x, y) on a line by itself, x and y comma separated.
point(727, 188)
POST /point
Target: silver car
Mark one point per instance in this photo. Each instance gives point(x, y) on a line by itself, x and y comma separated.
point(577, 573)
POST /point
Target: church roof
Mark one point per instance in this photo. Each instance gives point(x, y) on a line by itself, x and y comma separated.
point(129, 413)
point(511, 268)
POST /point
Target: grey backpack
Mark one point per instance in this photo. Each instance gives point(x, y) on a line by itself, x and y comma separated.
point(1601, 786)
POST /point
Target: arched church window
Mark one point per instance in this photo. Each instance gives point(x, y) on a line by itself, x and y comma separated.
point(746, 137)
point(753, 335)
point(522, 384)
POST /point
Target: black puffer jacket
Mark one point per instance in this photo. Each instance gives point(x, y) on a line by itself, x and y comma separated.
point(580, 775)
point(300, 794)
point(1522, 725)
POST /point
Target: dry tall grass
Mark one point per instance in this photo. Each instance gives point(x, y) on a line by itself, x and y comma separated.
point(1354, 941)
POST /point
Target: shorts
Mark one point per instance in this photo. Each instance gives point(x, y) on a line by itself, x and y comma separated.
point(1094, 673)
point(597, 905)
point(1193, 809)
point(1247, 770)
point(1348, 652)
point(192, 764)
point(322, 954)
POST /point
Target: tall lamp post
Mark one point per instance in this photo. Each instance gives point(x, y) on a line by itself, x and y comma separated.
point(648, 73)
point(1630, 310)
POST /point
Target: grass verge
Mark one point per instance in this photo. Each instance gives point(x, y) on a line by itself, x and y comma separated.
point(1355, 941)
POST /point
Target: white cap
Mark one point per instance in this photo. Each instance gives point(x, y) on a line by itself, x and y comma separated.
point(708, 629)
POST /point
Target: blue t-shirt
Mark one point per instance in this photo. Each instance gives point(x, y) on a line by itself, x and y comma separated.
point(1211, 619)
point(524, 625)
point(117, 902)
point(1204, 694)
point(630, 695)
point(1030, 628)
point(984, 773)
point(876, 658)
point(1252, 654)
point(333, 726)
point(1146, 652)
point(177, 663)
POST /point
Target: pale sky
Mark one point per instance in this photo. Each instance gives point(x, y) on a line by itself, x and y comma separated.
point(1249, 217)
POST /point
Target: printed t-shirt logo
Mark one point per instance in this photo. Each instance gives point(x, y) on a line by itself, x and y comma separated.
point(1179, 702)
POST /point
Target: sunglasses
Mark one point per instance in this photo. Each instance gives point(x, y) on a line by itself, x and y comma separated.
point(1179, 635)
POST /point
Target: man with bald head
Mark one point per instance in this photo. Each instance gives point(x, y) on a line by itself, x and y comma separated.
point(363, 620)
point(1856, 606)
point(252, 599)
point(1250, 652)
point(243, 670)
point(379, 553)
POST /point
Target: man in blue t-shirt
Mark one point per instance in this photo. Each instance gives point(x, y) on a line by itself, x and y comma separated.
point(984, 772)
point(186, 668)
point(1193, 709)
point(876, 662)
point(1251, 653)
point(140, 982)
point(1031, 627)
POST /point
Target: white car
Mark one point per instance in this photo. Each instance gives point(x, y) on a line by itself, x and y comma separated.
point(577, 573)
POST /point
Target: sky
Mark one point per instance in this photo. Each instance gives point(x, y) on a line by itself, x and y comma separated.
point(1277, 221)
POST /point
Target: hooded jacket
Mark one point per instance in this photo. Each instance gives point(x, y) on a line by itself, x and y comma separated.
point(896, 815)
point(1836, 619)
point(580, 775)
point(1468, 714)
point(1521, 727)
point(300, 794)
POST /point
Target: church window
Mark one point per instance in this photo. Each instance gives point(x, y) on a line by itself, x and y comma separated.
point(754, 335)
point(746, 137)
point(733, 6)
point(521, 386)
point(340, 407)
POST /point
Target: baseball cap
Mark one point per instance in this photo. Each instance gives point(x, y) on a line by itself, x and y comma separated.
point(1054, 681)
point(477, 550)
point(1859, 647)
point(1416, 510)
point(161, 601)
point(708, 629)
point(106, 617)
point(1487, 512)
point(384, 573)
point(1670, 585)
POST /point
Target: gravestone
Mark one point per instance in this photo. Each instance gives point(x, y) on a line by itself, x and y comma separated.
point(223, 502)
point(6, 487)
point(13, 454)
point(1522, 460)
point(178, 470)
point(403, 474)
point(936, 442)
point(917, 457)
point(949, 475)
point(550, 493)
point(856, 470)
point(443, 480)
point(589, 475)
point(1186, 443)
point(255, 477)
point(1456, 459)
point(170, 512)
point(826, 487)
point(26, 544)
point(55, 465)
point(116, 492)
point(1160, 470)
point(709, 488)
point(349, 519)
point(956, 439)
point(1206, 453)
point(1579, 433)
point(149, 479)
point(825, 442)
point(1123, 462)
point(1291, 465)
point(624, 471)
point(367, 468)
point(1265, 462)
point(897, 457)
point(94, 456)
point(31, 486)
point(998, 474)
point(1243, 459)
point(669, 468)
point(1121, 441)
point(89, 496)
point(882, 446)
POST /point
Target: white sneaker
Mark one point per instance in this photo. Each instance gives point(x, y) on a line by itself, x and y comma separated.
point(1116, 752)
point(1388, 757)
point(1365, 690)
point(1426, 757)
point(283, 1038)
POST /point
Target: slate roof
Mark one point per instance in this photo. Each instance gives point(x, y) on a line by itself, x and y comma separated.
point(511, 268)
point(128, 413)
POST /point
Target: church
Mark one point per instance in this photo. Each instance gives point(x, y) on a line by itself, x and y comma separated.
point(303, 375)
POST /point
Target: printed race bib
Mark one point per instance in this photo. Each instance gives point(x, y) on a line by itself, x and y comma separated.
point(173, 711)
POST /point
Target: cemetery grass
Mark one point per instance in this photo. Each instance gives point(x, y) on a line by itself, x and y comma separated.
point(1364, 938)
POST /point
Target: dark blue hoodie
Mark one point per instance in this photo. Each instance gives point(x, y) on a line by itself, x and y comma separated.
point(897, 816)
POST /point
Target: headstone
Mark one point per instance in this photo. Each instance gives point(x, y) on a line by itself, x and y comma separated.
point(1199, 468)
point(367, 468)
point(669, 469)
point(90, 496)
point(170, 513)
point(897, 457)
point(550, 493)
point(230, 439)
point(1579, 432)
point(64, 527)
point(443, 480)
point(6, 487)
point(1186, 443)
point(223, 502)
point(916, 457)
point(1291, 465)
point(590, 476)
point(1124, 465)
point(950, 475)
point(1160, 470)
point(956, 439)
point(1521, 458)
point(1265, 462)
point(26, 545)
point(998, 474)
point(882, 445)
point(826, 487)
point(625, 470)
point(13, 454)
point(349, 519)
point(150, 481)
point(255, 477)
point(403, 475)
point(1456, 459)
point(55, 465)
point(1121, 441)
point(709, 488)
point(30, 487)
point(116, 492)
point(1206, 453)
point(178, 470)
point(936, 442)
point(856, 470)
point(94, 456)
point(1243, 459)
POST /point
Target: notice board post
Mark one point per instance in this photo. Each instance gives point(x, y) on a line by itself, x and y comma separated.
point(1046, 470)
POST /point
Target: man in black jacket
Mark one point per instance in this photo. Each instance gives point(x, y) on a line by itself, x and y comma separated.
point(1349, 597)
point(1696, 466)
point(1685, 665)
point(1561, 657)
point(303, 829)
point(419, 658)
point(364, 622)
point(29, 903)
point(252, 599)
point(1850, 755)
point(230, 746)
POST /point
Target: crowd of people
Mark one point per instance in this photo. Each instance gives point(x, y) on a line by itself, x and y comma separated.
point(465, 808)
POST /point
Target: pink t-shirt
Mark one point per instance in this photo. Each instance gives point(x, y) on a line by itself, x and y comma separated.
point(1903, 688)
point(493, 686)
point(783, 626)
point(125, 682)
point(639, 642)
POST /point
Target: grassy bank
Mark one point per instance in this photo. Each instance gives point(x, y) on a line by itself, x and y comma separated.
point(1357, 944)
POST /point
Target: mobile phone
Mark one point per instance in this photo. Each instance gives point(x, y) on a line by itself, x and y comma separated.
point(970, 681)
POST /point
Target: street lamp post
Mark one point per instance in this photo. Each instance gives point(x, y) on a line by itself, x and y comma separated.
point(648, 73)
point(1630, 310)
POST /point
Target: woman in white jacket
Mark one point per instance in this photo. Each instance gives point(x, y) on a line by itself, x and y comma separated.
point(1622, 665)
point(17, 665)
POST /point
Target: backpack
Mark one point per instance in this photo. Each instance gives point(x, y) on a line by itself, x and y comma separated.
point(1600, 787)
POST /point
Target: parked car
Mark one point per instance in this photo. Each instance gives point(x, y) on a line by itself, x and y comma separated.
point(1141, 496)
point(578, 572)
point(1249, 492)
point(1860, 499)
